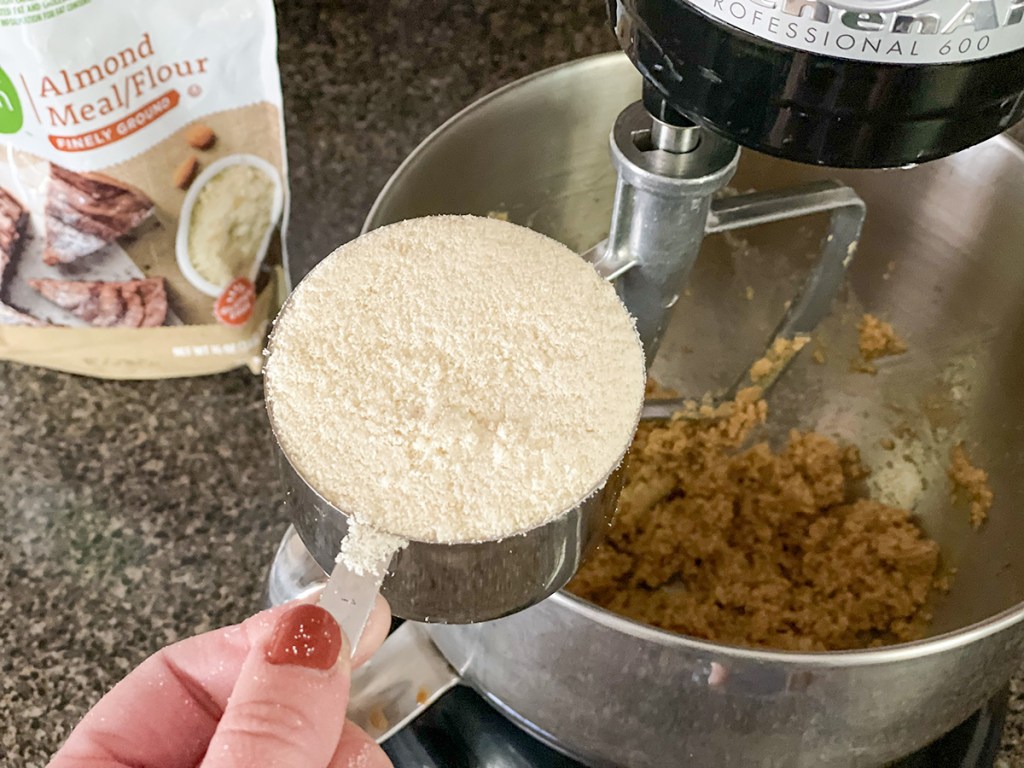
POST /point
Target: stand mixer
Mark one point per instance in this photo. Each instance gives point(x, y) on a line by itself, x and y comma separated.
point(669, 172)
point(847, 83)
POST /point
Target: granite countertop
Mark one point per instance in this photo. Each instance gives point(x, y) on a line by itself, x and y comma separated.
point(135, 514)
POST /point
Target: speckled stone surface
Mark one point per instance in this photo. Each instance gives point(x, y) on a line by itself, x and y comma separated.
point(134, 514)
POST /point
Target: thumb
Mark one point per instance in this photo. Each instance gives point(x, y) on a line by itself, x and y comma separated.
point(288, 706)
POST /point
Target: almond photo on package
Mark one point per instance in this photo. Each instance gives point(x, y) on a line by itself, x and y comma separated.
point(200, 136)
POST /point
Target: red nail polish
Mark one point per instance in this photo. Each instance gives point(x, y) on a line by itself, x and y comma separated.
point(307, 636)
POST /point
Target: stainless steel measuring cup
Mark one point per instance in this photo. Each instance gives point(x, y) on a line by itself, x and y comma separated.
point(453, 583)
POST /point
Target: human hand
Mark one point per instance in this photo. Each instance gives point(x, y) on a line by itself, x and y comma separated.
point(270, 692)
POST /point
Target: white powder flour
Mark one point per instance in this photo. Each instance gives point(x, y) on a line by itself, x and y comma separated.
point(454, 379)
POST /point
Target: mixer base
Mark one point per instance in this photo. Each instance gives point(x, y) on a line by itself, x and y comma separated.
point(462, 729)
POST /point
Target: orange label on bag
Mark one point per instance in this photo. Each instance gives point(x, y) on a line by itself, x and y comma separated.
point(234, 306)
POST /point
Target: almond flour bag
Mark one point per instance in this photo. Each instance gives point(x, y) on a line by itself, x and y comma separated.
point(143, 185)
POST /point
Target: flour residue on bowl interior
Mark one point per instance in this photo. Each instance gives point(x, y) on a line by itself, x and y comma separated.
point(229, 222)
point(973, 481)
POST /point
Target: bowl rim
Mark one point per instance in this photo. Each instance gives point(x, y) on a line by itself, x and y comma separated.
point(916, 649)
point(816, 659)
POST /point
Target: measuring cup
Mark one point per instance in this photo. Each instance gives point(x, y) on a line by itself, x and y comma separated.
point(440, 582)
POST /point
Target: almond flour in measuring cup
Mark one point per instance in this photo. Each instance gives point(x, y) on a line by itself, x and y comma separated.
point(453, 379)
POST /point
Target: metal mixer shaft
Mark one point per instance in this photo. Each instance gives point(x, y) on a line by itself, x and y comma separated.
point(669, 171)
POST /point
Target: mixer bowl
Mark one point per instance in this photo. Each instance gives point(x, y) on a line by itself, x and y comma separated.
point(942, 257)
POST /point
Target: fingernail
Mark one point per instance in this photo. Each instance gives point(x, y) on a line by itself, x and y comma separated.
point(306, 636)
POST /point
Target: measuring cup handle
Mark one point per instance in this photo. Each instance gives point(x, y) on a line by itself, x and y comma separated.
point(349, 598)
point(396, 686)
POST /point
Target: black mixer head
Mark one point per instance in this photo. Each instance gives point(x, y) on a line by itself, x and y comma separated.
point(848, 83)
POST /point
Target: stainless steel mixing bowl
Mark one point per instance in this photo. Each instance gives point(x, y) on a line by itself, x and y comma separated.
point(943, 258)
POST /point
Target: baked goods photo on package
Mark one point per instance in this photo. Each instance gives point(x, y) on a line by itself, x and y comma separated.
point(143, 186)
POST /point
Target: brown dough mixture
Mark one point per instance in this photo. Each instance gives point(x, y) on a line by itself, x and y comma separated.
point(974, 482)
point(765, 370)
point(758, 548)
point(878, 339)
